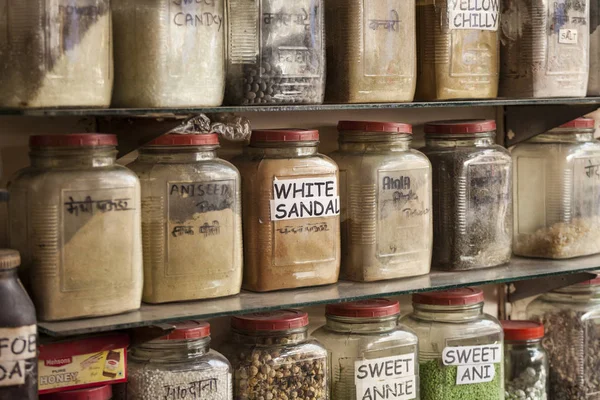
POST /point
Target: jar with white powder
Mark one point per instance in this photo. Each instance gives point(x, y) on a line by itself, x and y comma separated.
point(169, 53)
point(74, 215)
point(191, 205)
point(180, 365)
point(55, 53)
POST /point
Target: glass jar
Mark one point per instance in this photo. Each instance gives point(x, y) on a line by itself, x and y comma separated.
point(594, 79)
point(180, 365)
point(74, 215)
point(364, 339)
point(525, 361)
point(169, 53)
point(18, 333)
point(271, 353)
point(97, 393)
point(371, 51)
point(571, 316)
point(557, 193)
point(472, 195)
point(55, 53)
point(460, 347)
point(291, 211)
point(544, 48)
point(191, 205)
point(276, 52)
point(457, 49)
point(391, 237)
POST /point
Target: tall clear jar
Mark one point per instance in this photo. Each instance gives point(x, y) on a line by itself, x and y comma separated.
point(74, 215)
point(457, 49)
point(371, 51)
point(191, 205)
point(271, 354)
point(460, 347)
point(557, 193)
point(276, 52)
point(169, 53)
point(55, 53)
point(291, 211)
point(571, 316)
point(363, 338)
point(393, 238)
point(180, 365)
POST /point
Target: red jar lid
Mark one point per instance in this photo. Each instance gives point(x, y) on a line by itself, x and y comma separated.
point(580, 123)
point(364, 309)
point(280, 320)
point(370, 126)
point(522, 330)
point(174, 139)
point(461, 126)
point(188, 330)
point(284, 135)
point(73, 140)
point(595, 281)
point(97, 393)
point(454, 297)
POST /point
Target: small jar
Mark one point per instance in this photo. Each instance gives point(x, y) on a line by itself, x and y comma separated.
point(291, 211)
point(271, 353)
point(180, 365)
point(169, 53)
point(557, 182)
point(191, 205)
point(472, 195)
point(392, 236)
point(363, 338)
point(56, 53)
point(460, 347)
point(571, 316)
point(74, 215)
point(371, 51)
point(276, 52)
point(525, 361)
point(97, 393)
point(18, 332)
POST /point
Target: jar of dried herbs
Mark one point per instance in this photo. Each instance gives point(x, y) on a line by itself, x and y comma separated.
point(472, 195)
point(571, 317)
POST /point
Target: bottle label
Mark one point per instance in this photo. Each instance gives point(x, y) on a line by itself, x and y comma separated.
point(16, 346)
point(473, 14)
point(305, 198)
point(586, 191)
point(185, 388)
point(475, 364)
point(394, 376)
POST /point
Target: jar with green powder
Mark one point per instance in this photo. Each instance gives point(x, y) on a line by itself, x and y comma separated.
point(460, 347)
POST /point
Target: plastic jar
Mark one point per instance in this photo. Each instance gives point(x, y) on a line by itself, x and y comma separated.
point(169, 53)
point(271, 353)
point(545, 48)
point(363, 339)
point(571, 316)
point(97, 393)
point(557, 192)
point(472, 195)
point(180, 365)
point(276, 52)
point(525, 361)
point(56, 54)
point(391, 237)
point(457, 49)
point(371, 51)
point(74, 215)
point(291, 210)
point(191, 205)
point(460, 347)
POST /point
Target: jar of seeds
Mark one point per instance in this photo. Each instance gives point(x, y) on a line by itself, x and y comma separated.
point(180, 365)
point(274, 359)
point(571, 317)
point(472, 195)
point(525, 361)
point(276, 52)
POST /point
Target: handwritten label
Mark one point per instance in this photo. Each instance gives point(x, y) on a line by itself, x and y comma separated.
point(195, 389)
point(386, 378)
point(473, 14)
point(195, 13)
point(17, 345)
point(392, 24)
point(475, 363)
point(304, 198)
point(586, 182)
point(567, 36)
point(90, 205)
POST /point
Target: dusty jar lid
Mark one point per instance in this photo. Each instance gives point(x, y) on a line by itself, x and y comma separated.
point(280, 320)
point(174, 139)
point(458, 127)
point(580, 123)
point(97, 393)
point(373, 308)
point(522, 330)
point(73, 140)
point(9, 259)
point(370, 126)
point(284, 135)
point(454, 297)
point(188, 330)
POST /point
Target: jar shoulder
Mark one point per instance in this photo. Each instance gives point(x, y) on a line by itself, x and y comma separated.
point(542, 306)
point(401, 336)
point(410, 159)
point(263, 167)
point(212, 360)
point(552, 151)
point(216, 169)
point(486, 325)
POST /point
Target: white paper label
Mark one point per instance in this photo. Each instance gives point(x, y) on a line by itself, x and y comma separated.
point(305, 198)
point(567, 36)
point(469, 374)
point(473, 14)
point(475, 363)
point(388, 377)
point(16, 346)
